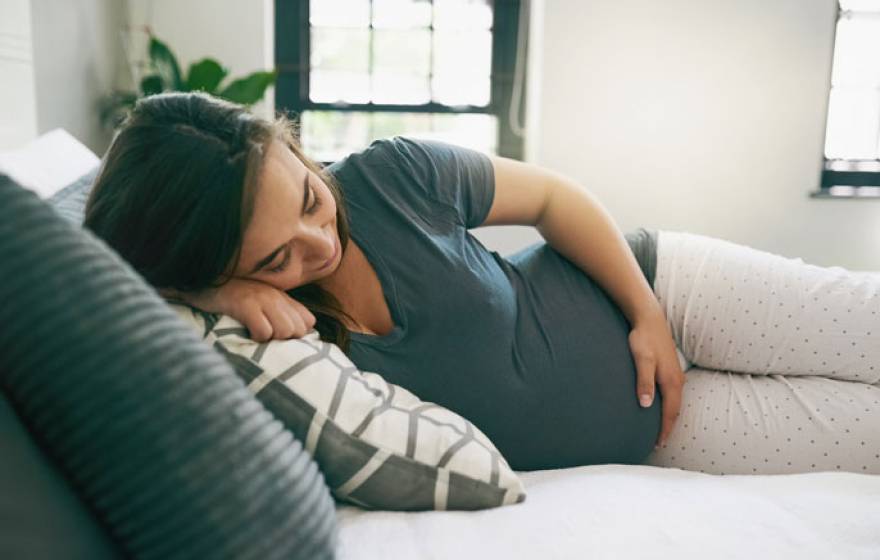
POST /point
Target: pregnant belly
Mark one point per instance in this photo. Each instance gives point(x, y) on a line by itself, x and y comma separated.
point(577, 370)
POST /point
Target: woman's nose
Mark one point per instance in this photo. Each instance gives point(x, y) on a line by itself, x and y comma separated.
point(323, 245)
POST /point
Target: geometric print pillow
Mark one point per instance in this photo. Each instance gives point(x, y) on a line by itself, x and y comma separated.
point(377, 444)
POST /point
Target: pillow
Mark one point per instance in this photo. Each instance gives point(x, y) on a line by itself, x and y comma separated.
point(50, 520)
point(378, 445)
point(48, 163)
point(152, 430)
point(70, 201)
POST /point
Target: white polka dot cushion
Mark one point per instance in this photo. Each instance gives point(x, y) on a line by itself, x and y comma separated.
point(378, 445)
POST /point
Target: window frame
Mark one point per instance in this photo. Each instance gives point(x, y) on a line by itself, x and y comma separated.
point(292, 60)
point(846, 178)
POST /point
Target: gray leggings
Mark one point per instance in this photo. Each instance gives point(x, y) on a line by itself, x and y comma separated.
point(781, 358)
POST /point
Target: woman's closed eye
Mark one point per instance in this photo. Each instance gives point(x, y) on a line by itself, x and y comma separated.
point(282, 266)
point(316, 202)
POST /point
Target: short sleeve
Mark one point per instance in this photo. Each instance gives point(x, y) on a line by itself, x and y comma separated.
point(460, 178)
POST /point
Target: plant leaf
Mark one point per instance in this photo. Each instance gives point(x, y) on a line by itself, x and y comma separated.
point(205, 75)
point(151, 84)
point(165, 64)
point(250, 89)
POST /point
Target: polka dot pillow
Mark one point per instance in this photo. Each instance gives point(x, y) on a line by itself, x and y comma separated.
point(378, 445)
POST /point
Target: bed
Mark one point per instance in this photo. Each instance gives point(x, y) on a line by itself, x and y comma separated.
point(627, 511)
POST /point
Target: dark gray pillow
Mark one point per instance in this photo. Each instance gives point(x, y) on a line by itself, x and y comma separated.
point(154, 430)
point(40, 515)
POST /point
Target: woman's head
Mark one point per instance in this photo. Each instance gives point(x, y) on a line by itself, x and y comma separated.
point(181, 195)
point(195, 190)
point(292, 238)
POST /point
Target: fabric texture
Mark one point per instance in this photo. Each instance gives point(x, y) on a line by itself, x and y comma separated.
point(786, 375)
point(527, 347)
point(621, 512)
point(378, 445)
point(154, 430)
point(643, 243)
point(41, 517)
point(70, 201)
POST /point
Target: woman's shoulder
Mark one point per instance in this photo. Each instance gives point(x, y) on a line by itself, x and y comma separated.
point(378, 150)
point(401, 150)
point(420, 176)
point(384, 164)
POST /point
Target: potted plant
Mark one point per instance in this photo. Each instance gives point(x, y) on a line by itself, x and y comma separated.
point(164, 74)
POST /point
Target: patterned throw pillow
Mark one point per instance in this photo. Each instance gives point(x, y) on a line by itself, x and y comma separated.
point(378, 445)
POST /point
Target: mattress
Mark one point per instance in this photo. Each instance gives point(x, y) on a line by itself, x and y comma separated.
point(636, 511)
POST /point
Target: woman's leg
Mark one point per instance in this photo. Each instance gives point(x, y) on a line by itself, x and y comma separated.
point(733, 423)
point(757, 316)
point(732, 307)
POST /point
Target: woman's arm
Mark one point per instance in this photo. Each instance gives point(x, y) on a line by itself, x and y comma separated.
point(264, 310)
point(576, 225)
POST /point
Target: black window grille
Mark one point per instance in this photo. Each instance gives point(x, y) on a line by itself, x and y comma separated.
point(852, 134)
point(368, 107)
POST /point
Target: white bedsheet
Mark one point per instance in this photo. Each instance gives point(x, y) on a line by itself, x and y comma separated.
point(627, 511)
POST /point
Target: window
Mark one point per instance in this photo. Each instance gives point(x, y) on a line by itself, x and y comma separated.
point(351, 71)
point(852, 134)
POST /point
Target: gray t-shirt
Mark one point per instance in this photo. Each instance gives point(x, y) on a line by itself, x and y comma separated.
point(526, 346)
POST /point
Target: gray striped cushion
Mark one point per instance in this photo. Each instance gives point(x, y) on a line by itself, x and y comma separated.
point(153, 429)
point(378, 445)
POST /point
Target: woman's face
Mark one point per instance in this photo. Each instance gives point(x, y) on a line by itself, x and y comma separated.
point(292, 238)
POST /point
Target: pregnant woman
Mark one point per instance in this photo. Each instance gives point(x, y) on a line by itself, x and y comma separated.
point(549, 351)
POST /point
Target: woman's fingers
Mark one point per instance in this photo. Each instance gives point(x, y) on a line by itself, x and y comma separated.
point(284, 324)
point(258, 325)
point(653, 350)
point(646, 365)
point(288, 317)
point(672, 387)
point(645, 378)
point(301, 311)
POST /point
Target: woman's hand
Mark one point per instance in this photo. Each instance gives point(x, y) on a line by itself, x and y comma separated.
point(654, 354)
point(266, 311)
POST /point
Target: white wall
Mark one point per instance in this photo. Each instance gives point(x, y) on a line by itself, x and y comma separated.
point(508, 239)
point(79, 58)
point(700, 115)
point(78, 55)
point(77, 61)
point(239, 34)
point(18, 108)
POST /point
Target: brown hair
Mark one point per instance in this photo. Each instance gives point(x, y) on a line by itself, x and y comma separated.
point(176, 190)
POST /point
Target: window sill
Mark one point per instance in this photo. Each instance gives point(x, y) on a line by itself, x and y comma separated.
point(847, 192)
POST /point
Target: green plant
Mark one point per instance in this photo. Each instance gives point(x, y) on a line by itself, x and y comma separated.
point(204, 75)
